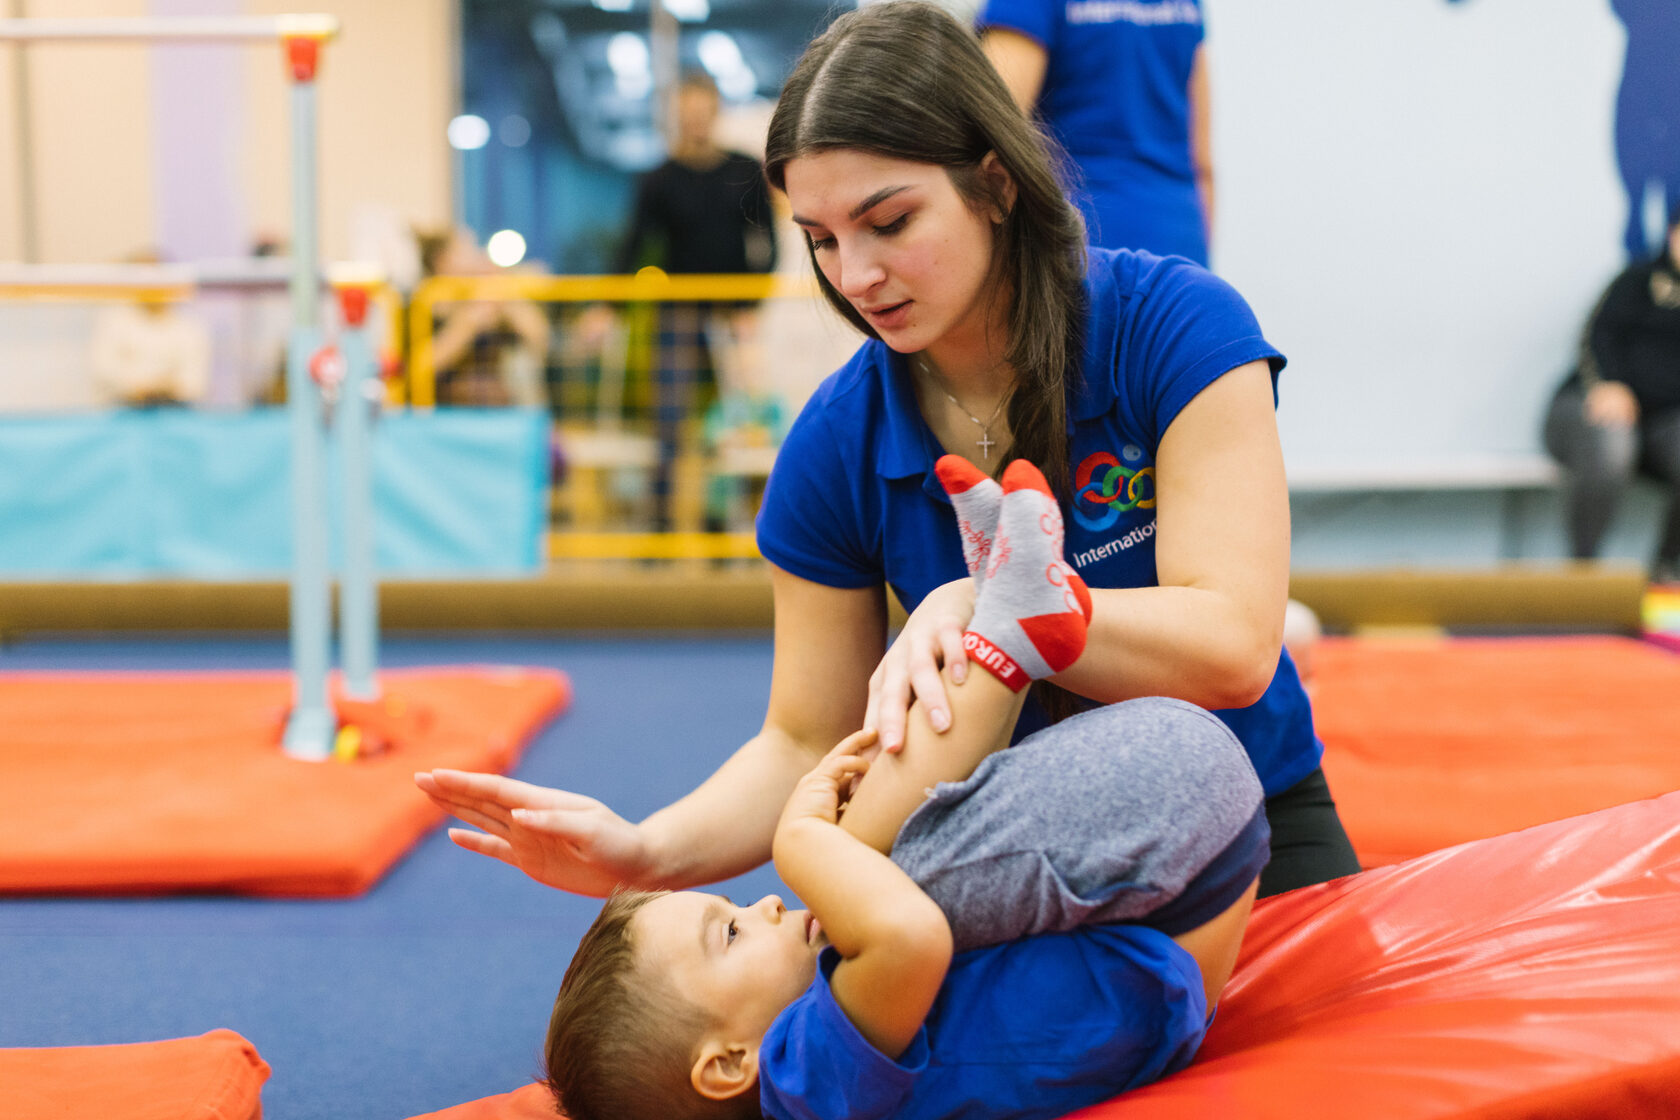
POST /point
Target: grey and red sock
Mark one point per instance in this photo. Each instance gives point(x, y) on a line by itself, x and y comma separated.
point(1031, 609)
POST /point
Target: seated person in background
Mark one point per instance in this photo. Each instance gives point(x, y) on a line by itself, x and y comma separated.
point(489, 353)
point(743, 427)
point(1620, 409)
point(1048, 932)
point(150, 352)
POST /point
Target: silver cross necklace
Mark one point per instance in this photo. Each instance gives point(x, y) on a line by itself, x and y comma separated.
point(985, 442)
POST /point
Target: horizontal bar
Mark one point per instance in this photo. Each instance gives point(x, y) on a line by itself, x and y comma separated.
point(191, 28)
point(118, 281)
point(652, 546)
point(649, 284)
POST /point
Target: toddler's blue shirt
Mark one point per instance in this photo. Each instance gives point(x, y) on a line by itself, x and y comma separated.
point(1027, 1029)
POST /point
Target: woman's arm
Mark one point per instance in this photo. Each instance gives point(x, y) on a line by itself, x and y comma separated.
point(827, 642)
point(1201, 136)
point(1211, 632)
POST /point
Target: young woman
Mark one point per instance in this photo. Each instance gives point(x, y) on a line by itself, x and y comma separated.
point(1141, 386)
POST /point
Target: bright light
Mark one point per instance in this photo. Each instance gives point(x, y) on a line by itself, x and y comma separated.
point(514, 131)
point(689, 11)
point(632, 65)
point(719, 52)
point(721, 56)
point(468, 132)
point(505, 248)
point(614, 5)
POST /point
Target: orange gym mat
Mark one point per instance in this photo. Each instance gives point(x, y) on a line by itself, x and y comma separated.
point(128, 782)
point(1525, 977)
point(1430, 743)
point(216, 1076)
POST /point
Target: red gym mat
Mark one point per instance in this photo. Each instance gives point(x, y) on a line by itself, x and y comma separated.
point(1430, 743)
point(216, 1076)
point(1525, 977)
point(175, 782)
point(1529, 976)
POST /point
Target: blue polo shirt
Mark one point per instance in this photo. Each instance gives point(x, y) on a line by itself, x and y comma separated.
point(853, 500)
point(1027, 1029)
point(1116, 97)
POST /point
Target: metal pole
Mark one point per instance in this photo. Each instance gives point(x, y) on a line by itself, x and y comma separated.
point(358, 591)
point(176, 28)
point(663, 38)
point(29, 247)
point(311, 729)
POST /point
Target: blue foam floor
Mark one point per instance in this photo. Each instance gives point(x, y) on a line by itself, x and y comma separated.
point(435, 987)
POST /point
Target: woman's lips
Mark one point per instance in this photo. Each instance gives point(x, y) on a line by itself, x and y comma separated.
point(813, 928)
point(890, 316)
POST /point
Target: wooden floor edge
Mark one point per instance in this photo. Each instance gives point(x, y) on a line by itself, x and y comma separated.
point(701, 597)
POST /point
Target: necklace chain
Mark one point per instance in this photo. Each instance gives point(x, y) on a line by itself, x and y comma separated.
point(985, 442)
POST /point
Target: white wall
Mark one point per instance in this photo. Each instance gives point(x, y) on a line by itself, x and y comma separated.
point(1419, 198)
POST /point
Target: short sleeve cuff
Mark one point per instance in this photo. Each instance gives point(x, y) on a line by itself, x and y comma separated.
point(815, 1063)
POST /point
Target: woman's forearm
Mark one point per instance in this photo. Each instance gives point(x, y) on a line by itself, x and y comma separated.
point(725, 826)
point(1194, 644)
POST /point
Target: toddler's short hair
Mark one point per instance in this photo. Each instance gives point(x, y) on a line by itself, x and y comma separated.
point(621, 1043)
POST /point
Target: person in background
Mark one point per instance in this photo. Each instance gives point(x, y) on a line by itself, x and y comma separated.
point(1619, 410)
point(742, 430)
point(150, 352)
point(703, 211)
point(489, 353)
point(1123, 89)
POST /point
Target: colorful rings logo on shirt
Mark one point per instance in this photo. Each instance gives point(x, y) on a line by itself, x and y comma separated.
point(1104, 482)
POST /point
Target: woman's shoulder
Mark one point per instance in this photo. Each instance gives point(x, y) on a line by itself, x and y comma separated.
point(1139, 274)
point(1136, 291)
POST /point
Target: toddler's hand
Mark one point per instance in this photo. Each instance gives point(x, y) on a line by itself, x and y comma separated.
point(819, 794)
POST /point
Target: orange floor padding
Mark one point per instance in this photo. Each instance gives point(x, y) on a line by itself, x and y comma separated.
point(215, 1076)
point(175, 782)
point(1432, 743)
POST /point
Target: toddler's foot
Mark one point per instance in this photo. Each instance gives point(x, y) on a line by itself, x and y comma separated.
point(1031, 610)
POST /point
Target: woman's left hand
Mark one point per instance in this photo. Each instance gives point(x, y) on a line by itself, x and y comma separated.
point(931, 638)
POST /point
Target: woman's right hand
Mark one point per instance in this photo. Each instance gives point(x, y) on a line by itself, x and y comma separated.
point(931, 638)
point(564, 840)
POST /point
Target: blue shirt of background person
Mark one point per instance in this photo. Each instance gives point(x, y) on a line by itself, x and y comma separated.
point(1027, 1029)
point(854, 500)
point(1120, 91)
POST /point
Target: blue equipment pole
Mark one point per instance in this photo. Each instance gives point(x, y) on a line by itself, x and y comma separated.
point(312, 725)
point(358, 592)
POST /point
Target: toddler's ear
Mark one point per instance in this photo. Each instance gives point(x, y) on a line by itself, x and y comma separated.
point(724, 1070)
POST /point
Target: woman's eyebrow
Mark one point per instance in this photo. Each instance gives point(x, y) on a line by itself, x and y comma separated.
point(874, 200)
point(861, 208)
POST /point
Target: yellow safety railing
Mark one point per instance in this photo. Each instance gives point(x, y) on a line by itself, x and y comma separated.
point(648, 285)
point(652, 546)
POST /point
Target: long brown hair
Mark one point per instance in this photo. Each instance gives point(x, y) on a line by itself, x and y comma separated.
point(905, 80)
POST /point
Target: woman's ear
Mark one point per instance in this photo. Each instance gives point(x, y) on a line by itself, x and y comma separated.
point(999, 183)
point(724, 1070)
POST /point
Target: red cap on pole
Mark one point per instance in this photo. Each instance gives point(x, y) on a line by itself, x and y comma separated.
point(353, 303)
point(303, 54)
